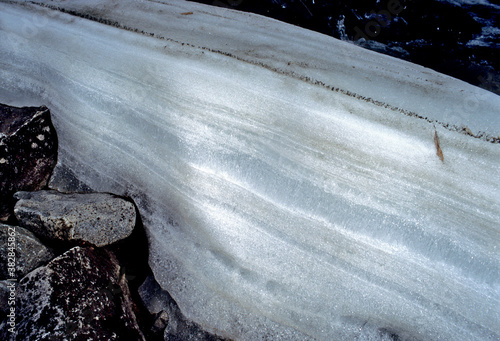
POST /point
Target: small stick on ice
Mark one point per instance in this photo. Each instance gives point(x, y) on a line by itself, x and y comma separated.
point(439, 152)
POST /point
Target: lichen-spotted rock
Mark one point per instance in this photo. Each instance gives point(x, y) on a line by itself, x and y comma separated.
point(28, 152)
point(97, 218)
point(80, 295)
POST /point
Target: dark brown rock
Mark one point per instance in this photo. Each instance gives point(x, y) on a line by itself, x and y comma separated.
point(80, 295)
point(28, 152)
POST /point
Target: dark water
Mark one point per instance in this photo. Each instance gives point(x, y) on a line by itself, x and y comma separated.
point(460, 38)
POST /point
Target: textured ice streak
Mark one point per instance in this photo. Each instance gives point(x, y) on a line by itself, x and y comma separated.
point(275, 207)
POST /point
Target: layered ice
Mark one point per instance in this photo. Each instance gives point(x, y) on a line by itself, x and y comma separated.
point(288, 181)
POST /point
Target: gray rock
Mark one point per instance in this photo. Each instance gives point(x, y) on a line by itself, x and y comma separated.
point(97, 218)
point(80, 295)
point(24, 248)
point(28, 152)
point(4, 295)
point(168, 317)
point(154, 298)
point(64, 180)
point(160, 323)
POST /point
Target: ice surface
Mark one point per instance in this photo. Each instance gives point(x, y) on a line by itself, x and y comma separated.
point(284, 194)
point(471, 2)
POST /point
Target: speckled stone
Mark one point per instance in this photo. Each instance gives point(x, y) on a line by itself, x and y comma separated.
point(97, 218)
point(29, 252)
point(80, 295)
point(28, 152)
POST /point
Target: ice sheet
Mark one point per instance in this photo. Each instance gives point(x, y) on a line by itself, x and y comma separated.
point(280, 202)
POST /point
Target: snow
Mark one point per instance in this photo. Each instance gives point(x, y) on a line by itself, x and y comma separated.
point(275, 206)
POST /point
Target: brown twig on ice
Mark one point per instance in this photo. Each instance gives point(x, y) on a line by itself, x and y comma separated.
point(439, 152)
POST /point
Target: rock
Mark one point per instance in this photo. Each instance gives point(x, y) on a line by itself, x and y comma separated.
point(154, 298)
point(97, 218)
point(160, 323)
point(168, 317)
point(80, 295)
point(29, 253)
point(28, 152)
point(64, 180)
point(4, 295)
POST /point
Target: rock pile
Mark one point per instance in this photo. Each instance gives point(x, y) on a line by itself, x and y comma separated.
point(78, 295)
point(66, 257)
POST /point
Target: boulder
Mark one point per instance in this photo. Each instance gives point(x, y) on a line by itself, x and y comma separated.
point(24, 248)
point(28, 152)
point(80, 295)
point(97, 218)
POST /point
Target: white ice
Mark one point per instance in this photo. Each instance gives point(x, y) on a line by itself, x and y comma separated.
point(284, 192)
